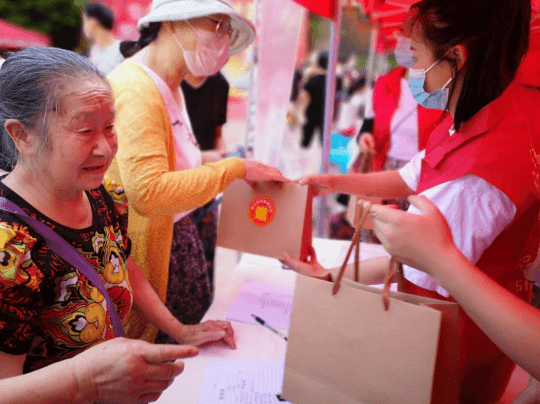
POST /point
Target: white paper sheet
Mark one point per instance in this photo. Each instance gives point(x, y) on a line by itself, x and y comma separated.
point(242, 381)
point(272, 303)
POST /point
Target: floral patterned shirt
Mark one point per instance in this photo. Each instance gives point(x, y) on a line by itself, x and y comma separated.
point(49, 310)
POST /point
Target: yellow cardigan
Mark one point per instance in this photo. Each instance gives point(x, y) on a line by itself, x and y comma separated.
point(145, 166)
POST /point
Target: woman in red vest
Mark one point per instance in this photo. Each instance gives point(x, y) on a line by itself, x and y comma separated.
point(394, 129)
point(480, 167)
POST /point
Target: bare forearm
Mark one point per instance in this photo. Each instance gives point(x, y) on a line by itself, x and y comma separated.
point(512, 324)
point(149, 303)
point(51, 385)
point(372, 271)
point(384, 184)
point(219, 143)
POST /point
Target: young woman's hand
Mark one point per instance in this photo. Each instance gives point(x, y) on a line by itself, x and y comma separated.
point(127, 371)
point(209, 331)
point(322, 184)
point(308, 268)
point(367, 143)
point(258, 172)
point(416, 240)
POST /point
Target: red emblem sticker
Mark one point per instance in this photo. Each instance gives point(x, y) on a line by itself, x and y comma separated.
point(261, 211)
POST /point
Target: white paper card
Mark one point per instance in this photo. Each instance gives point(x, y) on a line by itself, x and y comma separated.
point(242, 381)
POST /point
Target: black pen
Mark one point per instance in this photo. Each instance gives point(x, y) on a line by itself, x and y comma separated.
point(265, 324)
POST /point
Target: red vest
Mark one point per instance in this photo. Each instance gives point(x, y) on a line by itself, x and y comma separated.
point(498, 144)
point(386, 96)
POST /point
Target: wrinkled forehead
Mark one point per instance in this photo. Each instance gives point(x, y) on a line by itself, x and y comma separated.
point(83, 98)
point(85, 92)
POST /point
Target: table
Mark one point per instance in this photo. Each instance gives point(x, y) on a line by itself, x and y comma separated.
point(253, 341)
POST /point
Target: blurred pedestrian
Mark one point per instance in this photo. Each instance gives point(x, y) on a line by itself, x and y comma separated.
point(98, 24)
point(314, 96)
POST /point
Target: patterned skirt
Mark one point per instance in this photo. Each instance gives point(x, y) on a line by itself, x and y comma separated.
point(188, 289)
point(207, 227)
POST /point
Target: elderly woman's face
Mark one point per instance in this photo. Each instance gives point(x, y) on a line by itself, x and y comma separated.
point(82, 137)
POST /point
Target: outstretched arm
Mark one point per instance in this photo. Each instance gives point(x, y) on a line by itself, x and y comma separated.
point(425, 242)
point(150, 305)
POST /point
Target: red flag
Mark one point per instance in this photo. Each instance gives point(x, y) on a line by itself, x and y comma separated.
point(326, 8)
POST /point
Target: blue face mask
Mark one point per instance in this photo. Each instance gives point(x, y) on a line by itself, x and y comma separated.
point(403, 53)
point(438, 99)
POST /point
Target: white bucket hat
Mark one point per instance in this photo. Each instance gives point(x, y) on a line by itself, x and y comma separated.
point(177, 10)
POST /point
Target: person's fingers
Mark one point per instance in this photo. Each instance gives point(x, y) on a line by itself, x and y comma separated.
point(167, 353)
point(298, 266)
point(384, 214)
point(164, 371)
point(221, 323)
point(230, 340)
point(149, 397)
point(423, 204)
point(226, 326)
point(290, 261)
point(306, 180)
point(209, 336)
point(279, 178)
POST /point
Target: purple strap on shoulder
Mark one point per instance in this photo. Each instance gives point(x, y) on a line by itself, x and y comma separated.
point(67, 252)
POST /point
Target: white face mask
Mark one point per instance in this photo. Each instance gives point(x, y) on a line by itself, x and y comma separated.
point(209, 56)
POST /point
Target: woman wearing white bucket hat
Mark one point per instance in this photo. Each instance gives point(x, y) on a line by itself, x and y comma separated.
point(159, 161)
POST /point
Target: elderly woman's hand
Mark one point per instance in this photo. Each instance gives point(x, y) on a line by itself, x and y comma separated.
point(127, 371)
point(209, 331)
point(416, 240)
point(258, 172)
point(308, 268)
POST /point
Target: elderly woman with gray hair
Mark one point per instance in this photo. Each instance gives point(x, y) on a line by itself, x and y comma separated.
point(66, 280)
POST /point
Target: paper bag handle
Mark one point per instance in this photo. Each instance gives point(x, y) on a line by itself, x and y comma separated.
point(394, 268)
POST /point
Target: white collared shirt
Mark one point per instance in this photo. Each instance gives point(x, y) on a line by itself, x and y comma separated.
point(476, 212)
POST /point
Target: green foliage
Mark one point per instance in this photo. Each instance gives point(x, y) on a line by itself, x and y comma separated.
point(61, 19)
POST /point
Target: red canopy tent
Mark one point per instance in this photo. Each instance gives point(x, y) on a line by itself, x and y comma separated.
point(15, 37)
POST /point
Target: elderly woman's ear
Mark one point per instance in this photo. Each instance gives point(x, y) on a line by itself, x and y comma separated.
point(24, 139)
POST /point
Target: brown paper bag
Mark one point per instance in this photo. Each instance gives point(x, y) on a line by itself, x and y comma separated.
point(267, 219)
point(347, 349)
point(352, 211)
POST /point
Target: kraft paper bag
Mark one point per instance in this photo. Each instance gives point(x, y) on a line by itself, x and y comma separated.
point(347, 349)
point(267, 219)
point(353, 211)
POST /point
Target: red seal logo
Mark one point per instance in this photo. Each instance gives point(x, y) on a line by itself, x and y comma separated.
point(261, 211)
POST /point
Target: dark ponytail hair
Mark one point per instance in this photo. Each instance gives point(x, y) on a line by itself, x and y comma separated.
point(148, 34)
point(495, 34)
